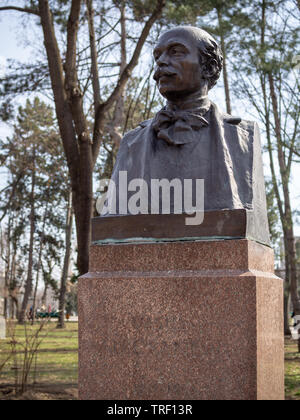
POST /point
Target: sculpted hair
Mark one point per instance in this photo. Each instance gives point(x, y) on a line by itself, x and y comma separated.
point(211, 53)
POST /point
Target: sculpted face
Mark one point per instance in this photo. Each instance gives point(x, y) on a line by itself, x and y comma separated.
point(178, 72)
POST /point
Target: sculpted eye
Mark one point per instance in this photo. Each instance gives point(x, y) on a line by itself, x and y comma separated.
point(176, 50)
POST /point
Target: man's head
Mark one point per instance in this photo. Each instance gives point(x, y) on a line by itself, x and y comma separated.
point(188, 60)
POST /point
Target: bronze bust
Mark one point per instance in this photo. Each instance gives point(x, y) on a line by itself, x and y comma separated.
point(190, 138)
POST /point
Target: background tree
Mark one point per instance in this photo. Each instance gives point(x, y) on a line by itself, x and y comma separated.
point(81, 142)
point(265, 77)
point(79, 64)
point(36, 194)
point(66, 265)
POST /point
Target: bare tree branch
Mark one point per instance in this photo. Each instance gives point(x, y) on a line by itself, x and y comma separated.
point(57, 80)
point(129, 68)
point(114, 127)
point(94, 67)
point(13, 187)
point(99, 119)
point(20, 9)
point(72, 30)
point(74, 92)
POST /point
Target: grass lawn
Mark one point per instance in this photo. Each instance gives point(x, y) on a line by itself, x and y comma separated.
point(56, 372)
point(55, 376)
point(292, 370)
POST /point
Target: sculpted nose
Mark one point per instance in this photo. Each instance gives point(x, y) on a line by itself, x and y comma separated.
point(162, 60)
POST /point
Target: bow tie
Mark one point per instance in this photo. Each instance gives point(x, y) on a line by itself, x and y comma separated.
point(178, 127)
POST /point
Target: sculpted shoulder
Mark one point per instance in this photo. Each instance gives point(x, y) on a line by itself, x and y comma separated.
point(135, 134)
point(246, 131)
point(238, 122)
point(239, 134)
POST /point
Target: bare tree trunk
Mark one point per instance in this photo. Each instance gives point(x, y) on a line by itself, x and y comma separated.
point(35, 293)
point(15, 307)
point(115, 127)
point(28, 284)
point(39, 263)
point(65, 272)
point(7, 266)
point(286, 313)
point(280, 204)
point(83, 207)
point(287, 296)
point(72, 123)
point(82, 151)
point(12, 285)
point(12, 308)
point(225, 72)
point(290, 242)
point(44, 297)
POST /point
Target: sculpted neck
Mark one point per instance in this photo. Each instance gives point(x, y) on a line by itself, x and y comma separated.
point(197, 99)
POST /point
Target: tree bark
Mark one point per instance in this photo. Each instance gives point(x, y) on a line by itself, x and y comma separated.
point(12, 284)
point(65, 272)
point(28, 284)
point(117, 122)
point(287, 294)
point(225, 72)
point(44, 297)
point(7, 266)
point(72, 124)
point(288, 221)
point(263, 80)
point(286, 312)
point(39, 264)
point(93, 48)
point(126, 74)
point(21, 9)
point(82, 152)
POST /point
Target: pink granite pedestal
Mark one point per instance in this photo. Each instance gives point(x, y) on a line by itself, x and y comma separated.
point(181, 321)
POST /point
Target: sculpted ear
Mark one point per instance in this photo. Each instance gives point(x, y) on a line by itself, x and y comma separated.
point(209, 69)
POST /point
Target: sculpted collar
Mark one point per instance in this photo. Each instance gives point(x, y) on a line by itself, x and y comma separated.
point(178, 124)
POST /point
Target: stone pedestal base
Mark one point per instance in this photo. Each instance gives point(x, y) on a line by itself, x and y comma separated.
point(181, 321)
